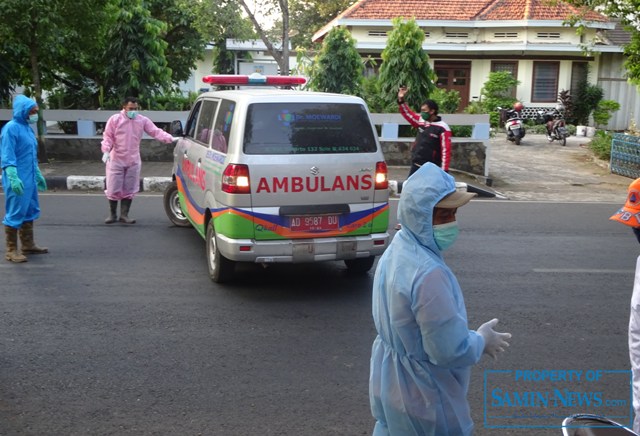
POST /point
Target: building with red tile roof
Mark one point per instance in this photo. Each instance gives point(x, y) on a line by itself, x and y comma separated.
point(468, 39)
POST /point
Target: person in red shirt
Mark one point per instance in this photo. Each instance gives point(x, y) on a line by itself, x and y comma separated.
point(433, 142)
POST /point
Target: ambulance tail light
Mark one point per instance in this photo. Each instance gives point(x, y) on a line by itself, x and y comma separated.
point(382, 176)
point(235, 179)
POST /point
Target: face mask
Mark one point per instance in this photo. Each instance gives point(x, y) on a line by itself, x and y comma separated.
point(33, 119)
point(132, 114)
point(446, 234)
point(425, 115)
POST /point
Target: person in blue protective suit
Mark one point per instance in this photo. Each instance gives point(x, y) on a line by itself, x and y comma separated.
point(21, 180)
point(421, 359)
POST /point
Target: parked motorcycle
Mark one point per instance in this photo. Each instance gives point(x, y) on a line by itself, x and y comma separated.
point(556, 125)
point(513, 123)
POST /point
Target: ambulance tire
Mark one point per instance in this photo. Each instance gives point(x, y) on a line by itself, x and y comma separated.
point(172, 206)
point(360, 265)
point(221, 269)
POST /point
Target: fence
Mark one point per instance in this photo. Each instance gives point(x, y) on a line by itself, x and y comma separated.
point(468, 154)
point(625, 155)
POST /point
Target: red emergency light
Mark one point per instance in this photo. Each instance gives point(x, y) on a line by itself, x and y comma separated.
point(253, 80)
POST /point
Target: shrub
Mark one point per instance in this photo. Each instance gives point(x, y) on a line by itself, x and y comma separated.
point(603, 112)
point(461, 131)
point(448, 101)
point(587, 98)
point(601, 144)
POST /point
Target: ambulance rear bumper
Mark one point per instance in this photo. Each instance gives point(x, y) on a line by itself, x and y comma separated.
point(302, 250)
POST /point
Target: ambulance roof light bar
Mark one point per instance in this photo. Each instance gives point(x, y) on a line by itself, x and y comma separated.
point(255, 79)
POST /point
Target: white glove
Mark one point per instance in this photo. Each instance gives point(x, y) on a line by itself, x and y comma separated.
point(175, 138)
point(494, 342)
point(105, 156)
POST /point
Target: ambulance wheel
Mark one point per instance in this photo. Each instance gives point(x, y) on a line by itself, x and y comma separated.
point(220, 268)
point(172, 206)
point(360, 265)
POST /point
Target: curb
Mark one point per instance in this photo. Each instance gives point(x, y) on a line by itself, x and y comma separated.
point(96, 183)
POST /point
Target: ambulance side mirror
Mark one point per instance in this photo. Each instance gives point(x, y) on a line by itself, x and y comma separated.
point(176, 128)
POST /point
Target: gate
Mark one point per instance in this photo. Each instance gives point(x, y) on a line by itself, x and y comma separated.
point(625, 155)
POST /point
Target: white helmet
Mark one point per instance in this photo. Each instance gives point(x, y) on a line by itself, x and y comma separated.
point(559, 107)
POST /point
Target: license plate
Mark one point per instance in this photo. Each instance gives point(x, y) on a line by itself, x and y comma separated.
point(314, 223)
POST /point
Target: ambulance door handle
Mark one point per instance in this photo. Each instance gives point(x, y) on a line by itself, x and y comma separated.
point(199, 161)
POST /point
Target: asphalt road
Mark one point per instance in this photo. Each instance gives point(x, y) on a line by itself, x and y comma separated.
point(118, 330)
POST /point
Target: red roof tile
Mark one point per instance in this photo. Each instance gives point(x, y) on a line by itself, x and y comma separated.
point(465, 10)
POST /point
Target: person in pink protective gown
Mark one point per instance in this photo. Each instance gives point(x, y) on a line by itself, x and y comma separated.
point(121, 154)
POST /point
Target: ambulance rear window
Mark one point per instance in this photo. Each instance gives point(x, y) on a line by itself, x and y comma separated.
point(308, 128)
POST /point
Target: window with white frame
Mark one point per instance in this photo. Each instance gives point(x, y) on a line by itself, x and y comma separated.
point(378, 33)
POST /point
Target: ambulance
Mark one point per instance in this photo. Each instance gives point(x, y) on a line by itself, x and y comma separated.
point(270, 175)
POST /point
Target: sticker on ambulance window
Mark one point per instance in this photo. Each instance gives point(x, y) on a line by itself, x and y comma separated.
point(308, 128)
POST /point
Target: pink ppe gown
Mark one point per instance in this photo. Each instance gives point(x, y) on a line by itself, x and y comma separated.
point(121, 138)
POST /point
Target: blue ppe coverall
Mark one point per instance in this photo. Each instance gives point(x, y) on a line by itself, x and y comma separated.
point(19, 148)
point(421, 359)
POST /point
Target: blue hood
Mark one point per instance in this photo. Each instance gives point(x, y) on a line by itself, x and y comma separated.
point(420, 193)
point(21, 107)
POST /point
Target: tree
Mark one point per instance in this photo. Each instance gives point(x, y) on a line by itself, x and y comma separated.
point(185, 43)
point(628, 12)
point(309, 16)
point(134, 56)
point(7, 75)
point(217, 22)
point(587, 98)
point(269, 8)
point(496, 91)
point(38, 31)
point(404, 62)
point(338, 67)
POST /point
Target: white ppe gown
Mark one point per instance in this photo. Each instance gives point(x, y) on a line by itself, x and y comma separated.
point(421, 359)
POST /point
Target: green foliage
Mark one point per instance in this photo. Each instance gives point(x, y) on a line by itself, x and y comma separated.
point(306, 17)
point(603, 112)
point(601, 144)
point(404, 62)
point(461, 131)
point(7, 72)
point(338, 67)
point(135, 52)
point(496, 92)
point(96, 51)
point(628, 12)
point(172, 101)
point(216, 22)
point(474, 107)
point(586, 100)
point(632, 60)
point(373, 97)
point(448, 100)
point(184, 41)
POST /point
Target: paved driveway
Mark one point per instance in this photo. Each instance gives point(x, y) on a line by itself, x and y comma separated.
point(539, 170)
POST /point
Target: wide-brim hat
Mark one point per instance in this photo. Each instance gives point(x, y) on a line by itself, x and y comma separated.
point(629, 214)
point(455, 199)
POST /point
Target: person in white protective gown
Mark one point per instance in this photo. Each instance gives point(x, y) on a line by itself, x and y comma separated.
point(629, 215)
point(421, 359)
